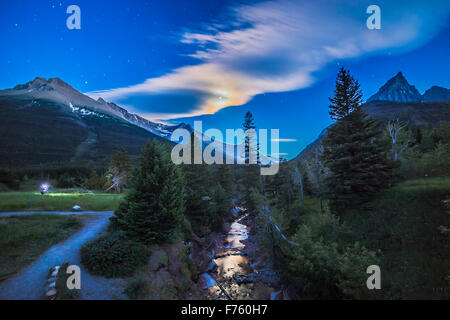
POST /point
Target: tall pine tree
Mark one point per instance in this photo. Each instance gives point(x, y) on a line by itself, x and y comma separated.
point(153, 210)
point(225, 177)
point(199, 194)
point(251, 178)
point(353, 150)
point(251, 147)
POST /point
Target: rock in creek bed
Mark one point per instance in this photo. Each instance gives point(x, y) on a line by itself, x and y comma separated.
point(243, 279)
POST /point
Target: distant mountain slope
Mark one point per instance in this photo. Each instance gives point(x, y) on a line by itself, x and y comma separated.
point(397, 98)
point(41, 132)
point(48, 122)
point(418, 114)
point(56, 90)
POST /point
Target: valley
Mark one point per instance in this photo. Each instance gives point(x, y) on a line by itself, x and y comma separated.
point(158, 230)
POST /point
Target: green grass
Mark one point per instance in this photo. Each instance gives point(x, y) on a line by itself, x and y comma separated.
point(404, 224)
point(58, 201)
point(24, 238)
point(437, 183)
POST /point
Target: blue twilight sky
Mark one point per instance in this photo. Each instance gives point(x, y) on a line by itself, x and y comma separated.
point(174, 61)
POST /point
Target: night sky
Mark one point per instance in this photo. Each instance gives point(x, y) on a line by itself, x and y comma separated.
point(174, 61)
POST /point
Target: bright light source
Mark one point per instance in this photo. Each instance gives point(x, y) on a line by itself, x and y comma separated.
point(44, 188)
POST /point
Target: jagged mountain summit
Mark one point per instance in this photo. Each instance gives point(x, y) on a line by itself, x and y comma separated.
point(56, 90)
point(398, 89)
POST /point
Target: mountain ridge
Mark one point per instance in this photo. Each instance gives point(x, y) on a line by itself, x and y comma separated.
point(421, 111)
point(57, 90)
point(398, 89)
point(48, 122)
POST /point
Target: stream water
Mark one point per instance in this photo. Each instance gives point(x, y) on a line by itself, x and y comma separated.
point(234, 277)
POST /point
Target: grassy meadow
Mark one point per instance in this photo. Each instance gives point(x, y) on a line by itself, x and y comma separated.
point(406, 224)
point(24, 238)
point(57, 201)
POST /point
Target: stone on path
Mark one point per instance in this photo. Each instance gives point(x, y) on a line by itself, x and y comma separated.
point(51, 293)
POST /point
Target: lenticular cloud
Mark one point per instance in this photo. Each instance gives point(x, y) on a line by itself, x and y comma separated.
point(277, 46)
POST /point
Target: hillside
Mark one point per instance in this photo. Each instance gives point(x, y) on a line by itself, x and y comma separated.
point(48, 122)
point(35, 132)
point(58, 91)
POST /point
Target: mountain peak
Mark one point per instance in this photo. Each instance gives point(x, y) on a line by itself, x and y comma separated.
point(59, 82)
point(43, 84)
point(397, 89)
point(56, 90)
point(399, 75)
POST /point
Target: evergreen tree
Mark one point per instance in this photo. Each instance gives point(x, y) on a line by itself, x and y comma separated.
point(96, 181)
point(251, 147)
point(153, 210)
point(223, 206)
point(347, 96)
point(251, 178)
point(283, 188)
point(307, 184)
point(353, 151)
point(120, 169)
point(225, 177)
point(199, 194)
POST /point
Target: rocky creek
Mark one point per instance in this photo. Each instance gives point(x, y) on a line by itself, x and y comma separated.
point(231, 274)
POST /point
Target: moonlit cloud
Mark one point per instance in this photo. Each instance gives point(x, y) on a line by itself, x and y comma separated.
point(285, 140)
point(280, 154)
point(276, 46)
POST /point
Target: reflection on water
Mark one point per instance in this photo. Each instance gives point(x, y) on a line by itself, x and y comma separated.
point(235, 275)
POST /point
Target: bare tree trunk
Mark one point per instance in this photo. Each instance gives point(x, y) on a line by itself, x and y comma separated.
point(394, 129)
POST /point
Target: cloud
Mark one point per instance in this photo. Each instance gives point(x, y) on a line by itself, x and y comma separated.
point(285, 140)
point(277, 46)
point(280, 154)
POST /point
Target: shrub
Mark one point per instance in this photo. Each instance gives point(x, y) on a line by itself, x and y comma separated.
point(9, 179)
point(138, 288)
point(96, 181)
point(65, 181)
point(404, 223)
point(326, 267)
point(114, 255)
point(3, 188)
point(431, 164)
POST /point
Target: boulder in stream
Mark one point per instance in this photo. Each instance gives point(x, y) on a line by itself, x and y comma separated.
point(243, 279)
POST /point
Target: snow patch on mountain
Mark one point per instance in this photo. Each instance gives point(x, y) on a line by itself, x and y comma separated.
point(84, 111)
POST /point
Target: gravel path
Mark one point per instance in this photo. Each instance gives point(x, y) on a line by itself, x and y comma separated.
point(29, 283)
